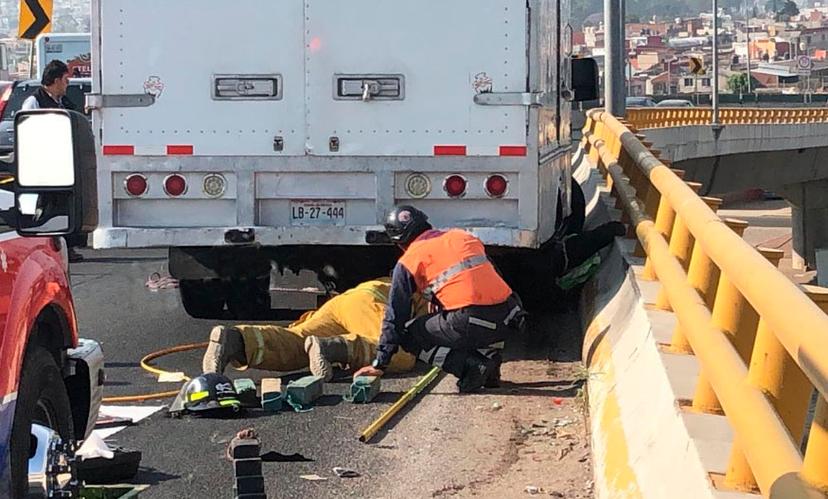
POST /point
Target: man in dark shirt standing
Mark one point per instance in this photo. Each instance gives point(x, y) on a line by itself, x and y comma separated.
point(52, 91)
point(52, 95)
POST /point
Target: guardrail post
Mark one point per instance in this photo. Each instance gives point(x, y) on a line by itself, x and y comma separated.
point(815, 464)
point(681, 245)
point(703, 275)
point(739, 474)
point(814, 469)
point(594, 156)
point(774, 371)
point(664, 219)
point(733, 315)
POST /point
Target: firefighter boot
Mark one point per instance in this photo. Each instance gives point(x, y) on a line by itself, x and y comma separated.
point(493, 379)
point(226, 345)
point(323, 352)
point(473, 370)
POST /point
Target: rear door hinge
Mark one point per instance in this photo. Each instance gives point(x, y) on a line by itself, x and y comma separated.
point(530, 99)
point(100, 101)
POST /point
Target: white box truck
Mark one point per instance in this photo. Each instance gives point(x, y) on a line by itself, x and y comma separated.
point(260, 135)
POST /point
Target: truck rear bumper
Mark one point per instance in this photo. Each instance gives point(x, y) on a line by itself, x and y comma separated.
point(123, 237)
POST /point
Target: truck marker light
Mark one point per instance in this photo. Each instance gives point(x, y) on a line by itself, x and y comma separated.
point(496, 186)
point(175, 185)
point(214, 185)
point(118, 150)
point(136, 185)
point(513, 150)
point(417, 185)
point(455, 186)
point(450, 150)
point(179, 150)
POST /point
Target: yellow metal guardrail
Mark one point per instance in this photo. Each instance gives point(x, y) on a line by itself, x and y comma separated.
point(761, 340)
point(643, 118)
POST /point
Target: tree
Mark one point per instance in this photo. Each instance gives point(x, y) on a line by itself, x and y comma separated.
point(782, 10)
point(738, 83)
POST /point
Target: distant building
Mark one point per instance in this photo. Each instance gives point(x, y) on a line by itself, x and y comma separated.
point(661, 84)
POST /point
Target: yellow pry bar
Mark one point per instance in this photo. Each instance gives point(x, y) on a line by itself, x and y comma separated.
point(386, 416)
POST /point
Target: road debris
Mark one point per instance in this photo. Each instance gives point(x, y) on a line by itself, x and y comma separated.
point(345, 473)
point(532, 490)
point(275, 457)
point(496, 406)
point(155, 282)
point(244, 450)
point(561, 422)
point(313, 478)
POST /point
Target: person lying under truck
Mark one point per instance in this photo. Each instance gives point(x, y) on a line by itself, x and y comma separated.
point(344, 331)
point(476, 309)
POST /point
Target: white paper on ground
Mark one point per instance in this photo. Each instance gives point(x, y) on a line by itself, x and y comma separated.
point(134, 412)
point(171, 377)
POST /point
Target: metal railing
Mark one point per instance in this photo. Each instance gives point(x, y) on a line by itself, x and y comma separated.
point(761, 340)
point(643, 118)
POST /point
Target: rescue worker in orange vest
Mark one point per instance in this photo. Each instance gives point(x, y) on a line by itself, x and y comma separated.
point(476, 309)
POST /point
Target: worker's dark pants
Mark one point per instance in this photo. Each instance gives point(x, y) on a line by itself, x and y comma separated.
point(447, 338)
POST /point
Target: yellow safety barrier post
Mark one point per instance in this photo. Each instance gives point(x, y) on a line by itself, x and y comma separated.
point(734, 316)
point(703, 276)
point(815, 464)
point(681, 246)
point(774, 371)
point(739, 474)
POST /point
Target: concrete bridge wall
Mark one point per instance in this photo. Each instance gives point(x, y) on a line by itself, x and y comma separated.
point(789, 159)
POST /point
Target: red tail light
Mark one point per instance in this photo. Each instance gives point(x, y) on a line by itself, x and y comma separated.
point(4, 99)
point(175, 185)
point(136, 185)
point(496, 186)
point(455, 186)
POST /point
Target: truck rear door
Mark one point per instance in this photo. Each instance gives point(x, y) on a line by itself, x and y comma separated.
point(228, 77)
point(398, 78)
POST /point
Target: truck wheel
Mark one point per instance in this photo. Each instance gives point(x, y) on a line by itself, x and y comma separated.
point(41, 399)
point(249, 299)
point(203, 299)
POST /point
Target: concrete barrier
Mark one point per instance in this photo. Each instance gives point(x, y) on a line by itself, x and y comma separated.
point(644, 443)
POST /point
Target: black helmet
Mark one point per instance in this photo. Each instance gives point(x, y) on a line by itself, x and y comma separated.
point(405, 223)
point(210, 392)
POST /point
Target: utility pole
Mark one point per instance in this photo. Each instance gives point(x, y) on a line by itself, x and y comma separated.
point(715, 79)
point(747, 31)
point(614, 101)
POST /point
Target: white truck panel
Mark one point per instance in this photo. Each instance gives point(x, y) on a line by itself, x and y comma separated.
point(151, 46)
point(445, 52)
point(447, 48)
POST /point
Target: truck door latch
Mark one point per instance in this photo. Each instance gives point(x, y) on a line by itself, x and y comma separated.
point(369, 87)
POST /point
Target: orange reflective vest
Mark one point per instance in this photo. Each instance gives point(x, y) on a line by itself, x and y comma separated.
point(453, 267)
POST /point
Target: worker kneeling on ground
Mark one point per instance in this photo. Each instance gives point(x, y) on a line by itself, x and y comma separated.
point(477, 310)
point(344, 331)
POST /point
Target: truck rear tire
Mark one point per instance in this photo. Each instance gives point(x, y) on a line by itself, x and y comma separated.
point(41, 399)
point(203, 299)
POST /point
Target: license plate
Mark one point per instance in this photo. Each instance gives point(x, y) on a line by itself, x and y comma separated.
point(317, 213)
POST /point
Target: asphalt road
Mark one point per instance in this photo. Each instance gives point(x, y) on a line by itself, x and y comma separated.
point(444, 445)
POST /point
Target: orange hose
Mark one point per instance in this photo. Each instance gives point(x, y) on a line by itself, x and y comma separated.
point(145, 365)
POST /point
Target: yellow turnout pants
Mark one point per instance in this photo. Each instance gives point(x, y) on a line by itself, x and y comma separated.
point(355, 315)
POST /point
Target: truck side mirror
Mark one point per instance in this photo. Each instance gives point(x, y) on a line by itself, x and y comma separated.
point(55, 182)
point(584, 79)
